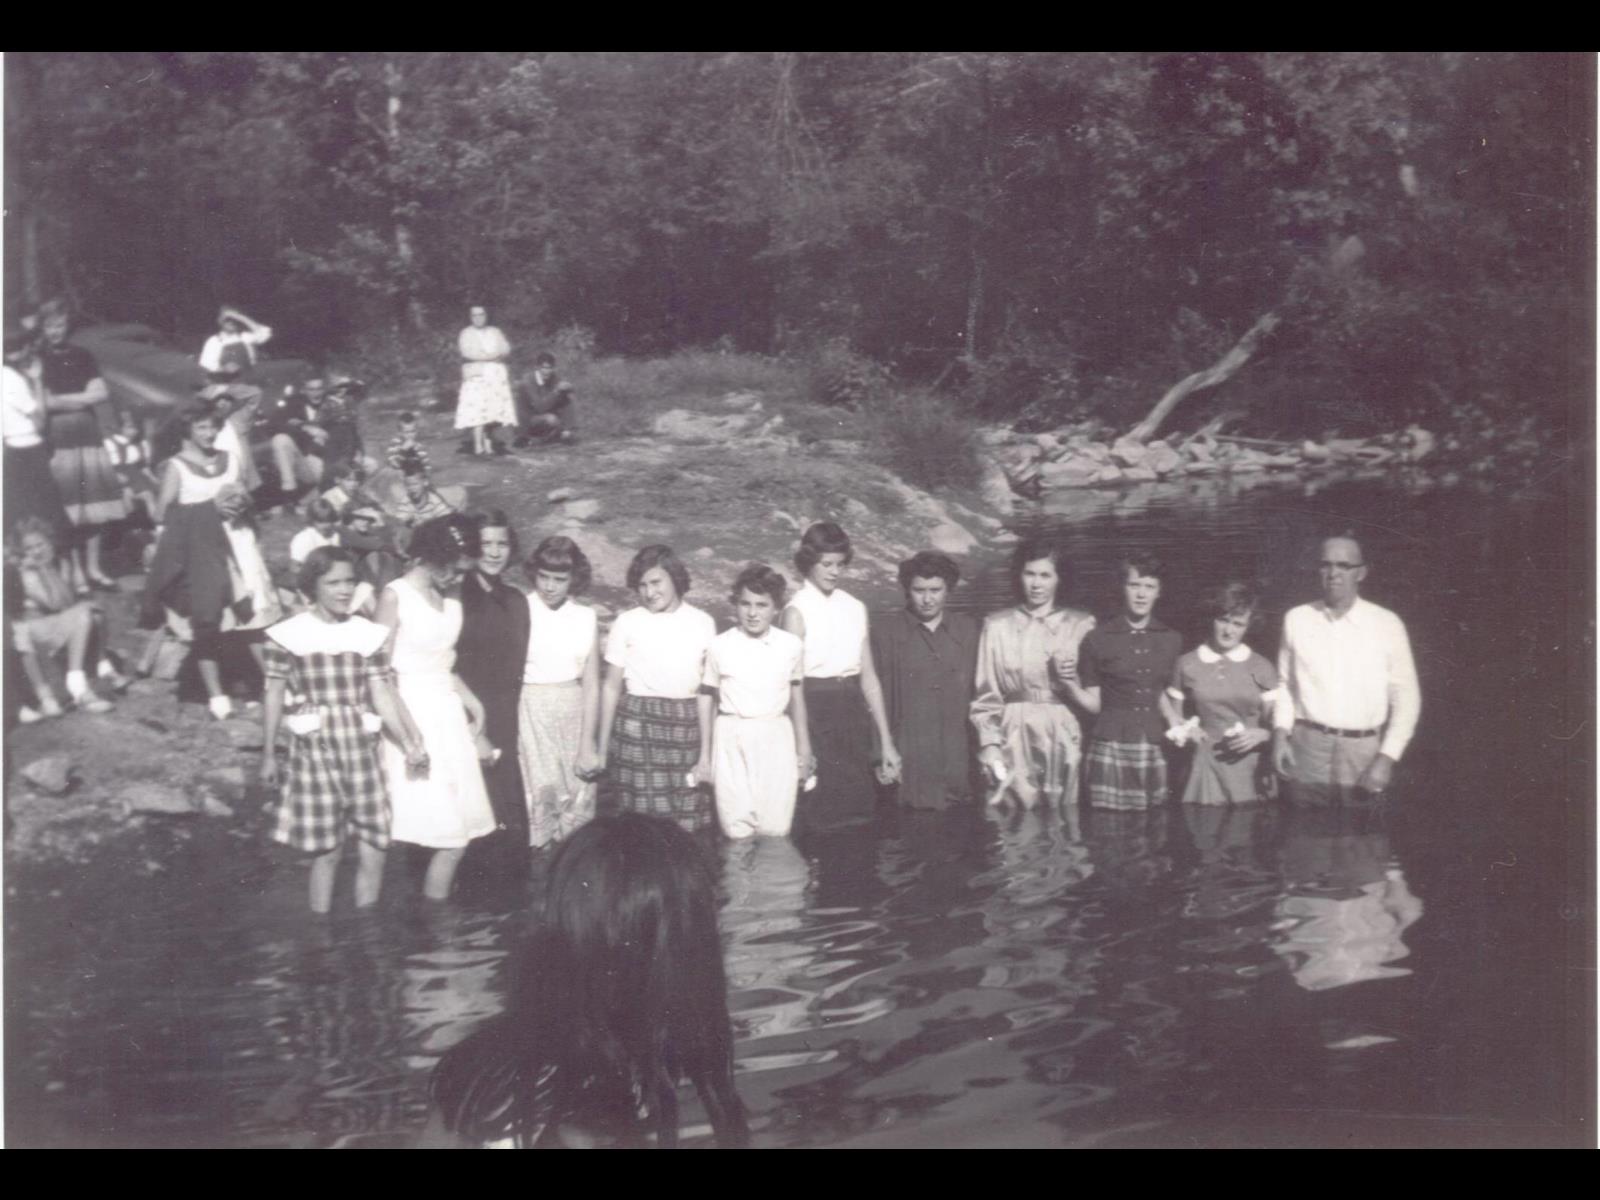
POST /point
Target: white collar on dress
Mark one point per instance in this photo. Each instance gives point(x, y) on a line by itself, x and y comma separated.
point(1238, 654)
point(308, 633)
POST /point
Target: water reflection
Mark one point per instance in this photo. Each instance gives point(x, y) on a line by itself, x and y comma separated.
point(1345, 904)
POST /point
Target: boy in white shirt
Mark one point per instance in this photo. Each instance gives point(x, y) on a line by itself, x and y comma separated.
point(761, 743)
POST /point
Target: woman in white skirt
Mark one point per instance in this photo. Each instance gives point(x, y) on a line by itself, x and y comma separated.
point(559, 716)
point(485, 397)
point(442, 804)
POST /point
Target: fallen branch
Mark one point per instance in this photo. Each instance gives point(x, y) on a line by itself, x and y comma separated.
point(1218, 372)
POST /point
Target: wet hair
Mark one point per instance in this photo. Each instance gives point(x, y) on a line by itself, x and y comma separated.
point(560, 554)
point(622, 994)
point(443, 540)
point(1143, 566)
point(317, 564)
point(545, 359)
point(1034, 549)
point(822, 538)
point(652, 557)
point(929, 564)
point(763, 580)
point(496, 518)
point(1229, 599)
point(321, 512)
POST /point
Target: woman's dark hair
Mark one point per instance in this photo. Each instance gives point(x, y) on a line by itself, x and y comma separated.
point(1034, 549)
point(545, 358)
point(652, 557)
point(557, 555)
point(822, 538)
point(496, 518)
point(627, 996)
point(1143, 565)
point(929, 564)
point(317, 564)
point(760, 578)
point(169, 438)
point(321, 512)
point(1226, 599)
point(443, 540)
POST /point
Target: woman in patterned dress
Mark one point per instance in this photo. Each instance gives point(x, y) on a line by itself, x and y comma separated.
point(1031, 743)
point(559, 715)
point(445, 806)
point(486, 397)
point(655, 725)
point(337, 668)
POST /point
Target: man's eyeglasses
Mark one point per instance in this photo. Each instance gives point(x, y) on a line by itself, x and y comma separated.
point(1326, 565)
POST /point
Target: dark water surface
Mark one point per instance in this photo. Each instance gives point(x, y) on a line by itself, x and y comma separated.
point(1184, 977)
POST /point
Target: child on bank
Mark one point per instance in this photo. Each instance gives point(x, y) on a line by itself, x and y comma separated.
point(761, 742)
point(54, 620)
point(404, 445)
point(322, 529)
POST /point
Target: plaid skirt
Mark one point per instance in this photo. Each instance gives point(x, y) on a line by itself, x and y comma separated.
point(655, 743)
point(334, 780)
point(1125, 774)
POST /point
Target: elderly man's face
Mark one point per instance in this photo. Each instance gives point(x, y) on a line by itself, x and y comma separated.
point(926, 597)
point(1341, 569)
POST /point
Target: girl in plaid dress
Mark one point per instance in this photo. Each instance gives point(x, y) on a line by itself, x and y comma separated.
point(655, 725)
point(337, 669)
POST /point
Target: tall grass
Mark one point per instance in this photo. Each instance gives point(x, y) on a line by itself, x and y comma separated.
point(925, 438)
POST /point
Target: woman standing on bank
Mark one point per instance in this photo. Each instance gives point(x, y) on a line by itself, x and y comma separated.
point(486, 398)
point(843, 699)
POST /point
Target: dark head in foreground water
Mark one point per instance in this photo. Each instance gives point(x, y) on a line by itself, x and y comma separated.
point(622, 996)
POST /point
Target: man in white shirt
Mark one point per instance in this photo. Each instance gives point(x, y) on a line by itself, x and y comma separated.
point(230, 353)
point(1349, 701)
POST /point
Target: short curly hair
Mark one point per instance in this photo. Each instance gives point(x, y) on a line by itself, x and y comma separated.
point(763, 580)
point(652, 557)
point(317, 564)
point(929, 564)
point(560, 555)
point(822, 538)
point(1229, 599)
point(443, 540)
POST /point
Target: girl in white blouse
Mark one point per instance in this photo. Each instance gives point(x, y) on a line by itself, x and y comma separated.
point(559, 714)
point(843, 698)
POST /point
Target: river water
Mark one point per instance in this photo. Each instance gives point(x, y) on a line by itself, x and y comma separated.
point(1180, 978)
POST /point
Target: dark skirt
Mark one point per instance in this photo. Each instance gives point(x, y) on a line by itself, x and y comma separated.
point(30, 488)
point(504, 777)
point(655, 743)
point(842, 739)
point(189, 573)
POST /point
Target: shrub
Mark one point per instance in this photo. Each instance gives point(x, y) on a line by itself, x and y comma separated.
point(925, 438)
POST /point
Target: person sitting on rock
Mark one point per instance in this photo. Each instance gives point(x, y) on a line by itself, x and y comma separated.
point(299, 438)
point(229, 355)
point(545, 404)
point(54, 620)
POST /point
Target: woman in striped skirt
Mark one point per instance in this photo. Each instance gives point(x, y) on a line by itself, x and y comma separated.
point(655, 726)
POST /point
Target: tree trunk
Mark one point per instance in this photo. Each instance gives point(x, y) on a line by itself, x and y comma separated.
point(1218, 372)
point(404, 248)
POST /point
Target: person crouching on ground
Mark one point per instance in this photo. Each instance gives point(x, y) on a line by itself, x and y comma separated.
point(761, 744)
point(336, 665)
point(53, 620)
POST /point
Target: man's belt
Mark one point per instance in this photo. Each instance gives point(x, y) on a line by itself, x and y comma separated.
point(1342, 733)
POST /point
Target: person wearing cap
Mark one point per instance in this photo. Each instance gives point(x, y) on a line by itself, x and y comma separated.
point(1349, 702)
point(230, 353)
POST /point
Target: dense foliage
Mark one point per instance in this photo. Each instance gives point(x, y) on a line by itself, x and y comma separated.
point(1068, 232)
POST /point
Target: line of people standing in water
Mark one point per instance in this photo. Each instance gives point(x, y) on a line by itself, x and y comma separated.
point(502, 712)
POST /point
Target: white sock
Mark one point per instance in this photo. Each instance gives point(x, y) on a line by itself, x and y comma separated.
point(77, 684)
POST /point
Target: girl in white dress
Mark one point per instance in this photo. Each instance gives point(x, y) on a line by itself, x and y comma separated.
point(485, 397)
point(442, 804)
